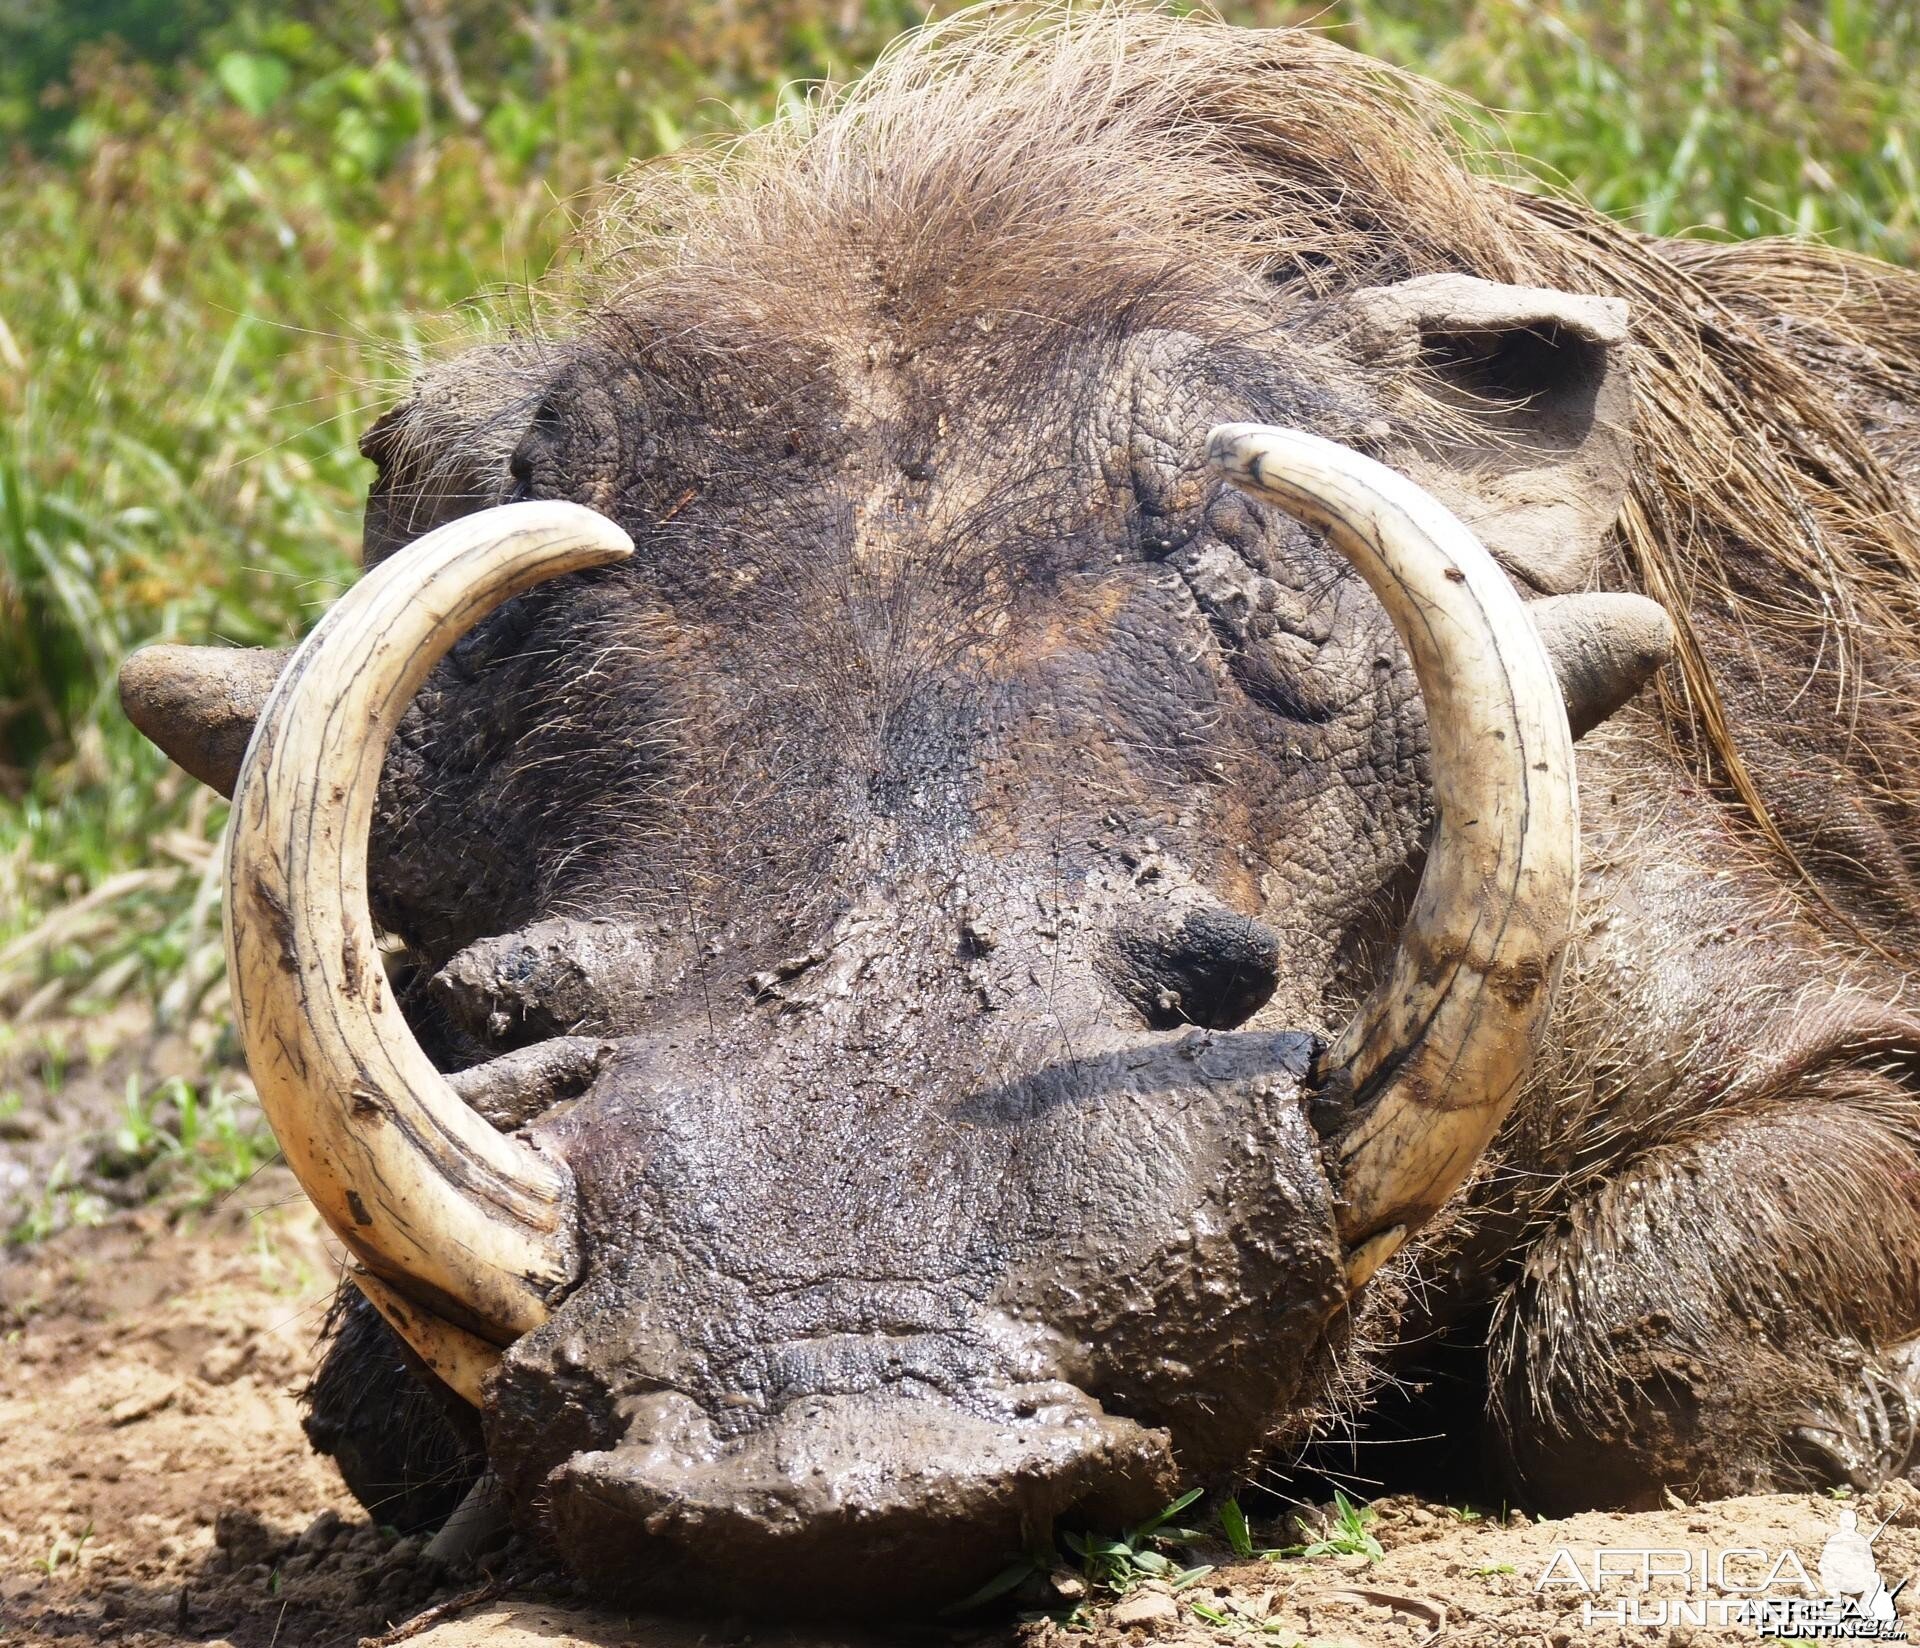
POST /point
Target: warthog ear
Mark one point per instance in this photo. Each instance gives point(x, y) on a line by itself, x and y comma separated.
point(199, 704)
point(1538, 380)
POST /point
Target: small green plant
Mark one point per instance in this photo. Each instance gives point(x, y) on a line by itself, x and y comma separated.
point(224, 1139)
point(1348, 1533)
point(184, 1143)
point(1466, 1513)
point(54, 1060)
point(1117, 1565)
point(1005, 1583)
point(63, 1202)
point(1233, 1523)
point(1114, 1564)
point(140, 1136)
point(1487, 1570)
point(64, 1553)
point(210, 1140)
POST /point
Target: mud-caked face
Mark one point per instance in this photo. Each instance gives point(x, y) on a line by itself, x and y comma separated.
point(950, 817)
point(918, 1024)
point(944, 948)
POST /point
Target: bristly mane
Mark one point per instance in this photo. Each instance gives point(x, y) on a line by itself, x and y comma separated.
point(984, 152)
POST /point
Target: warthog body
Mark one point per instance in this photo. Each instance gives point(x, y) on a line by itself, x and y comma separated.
point(913, 894)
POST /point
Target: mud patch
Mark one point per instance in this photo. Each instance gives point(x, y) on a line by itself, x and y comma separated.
point(155, 1488)
point(154, 1482)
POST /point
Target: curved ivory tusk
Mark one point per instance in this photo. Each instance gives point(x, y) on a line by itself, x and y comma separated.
point(470, 1223)
point(1434, 1057)
point(458, 1359)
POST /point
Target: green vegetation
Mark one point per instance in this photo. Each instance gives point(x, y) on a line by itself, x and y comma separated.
point(1233, 1523)
point(1730, 117)
point(1119, 1563)
point(206, 1140)
point(1109, 1566)
point(181, 1143)
point(232, 229)
point(64, 1552)
point(1348, 1532)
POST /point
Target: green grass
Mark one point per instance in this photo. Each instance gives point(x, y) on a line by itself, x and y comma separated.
point(205, 1141)
point(222, 261)
point(1349, 1532)
point(1116, 1563)
point(1727, 117)
point(184, 1144)
point(1111, 1565)
point(206, 298)
point(65, 1552)
point(1233, 1523)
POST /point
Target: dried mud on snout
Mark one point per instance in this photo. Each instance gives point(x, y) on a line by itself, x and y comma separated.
point(155, 1488)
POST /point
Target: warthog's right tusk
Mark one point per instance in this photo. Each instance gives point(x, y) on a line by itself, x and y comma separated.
point(467, 1229)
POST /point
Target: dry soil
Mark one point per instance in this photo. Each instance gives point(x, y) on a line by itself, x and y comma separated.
point(155, 1489)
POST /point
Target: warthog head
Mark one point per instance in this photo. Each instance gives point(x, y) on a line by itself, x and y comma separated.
point(976, 866)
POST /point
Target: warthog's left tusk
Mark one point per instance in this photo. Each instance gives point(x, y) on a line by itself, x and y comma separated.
point(1434, 1057)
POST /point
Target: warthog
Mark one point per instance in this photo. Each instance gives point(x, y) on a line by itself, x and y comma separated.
point(980, 899)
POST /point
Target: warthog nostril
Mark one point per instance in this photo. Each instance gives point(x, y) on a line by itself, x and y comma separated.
point(1212, 967)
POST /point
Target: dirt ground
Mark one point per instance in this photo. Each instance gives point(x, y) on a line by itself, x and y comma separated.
point(155, 1488)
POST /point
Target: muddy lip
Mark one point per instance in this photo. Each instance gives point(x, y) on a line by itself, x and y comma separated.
point(930, 1252)
point(1157, 1062)
point(932, 1491)
point(1173, 1060)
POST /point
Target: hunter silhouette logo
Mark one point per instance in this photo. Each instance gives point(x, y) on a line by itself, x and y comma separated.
point(1772, 1591)
point(1851, 1574)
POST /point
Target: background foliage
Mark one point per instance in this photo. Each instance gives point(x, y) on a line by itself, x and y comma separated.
point(230, 230)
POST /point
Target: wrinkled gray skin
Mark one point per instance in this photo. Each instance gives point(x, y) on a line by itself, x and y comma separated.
point(932, 1184)
point(941, 839)
point(910, 893)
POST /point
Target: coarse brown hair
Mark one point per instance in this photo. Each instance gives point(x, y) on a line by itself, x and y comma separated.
point(989, 158)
